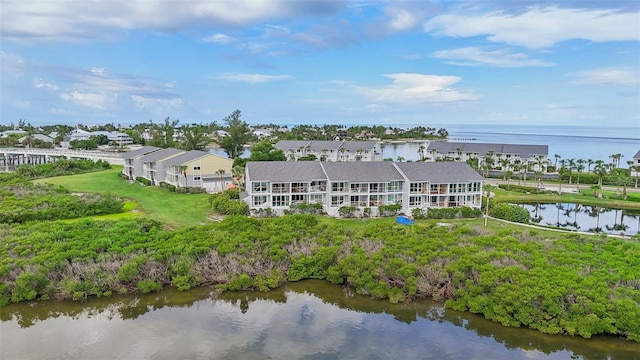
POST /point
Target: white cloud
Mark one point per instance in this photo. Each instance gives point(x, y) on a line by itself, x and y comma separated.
point(540, 27)
point(93, 100)
point(155, 104)
point(254, 78)
point(42, 20)
point(418, 88)
point(403, 19)
point(40, 84)
point(474, 56)
point(219, 39)
point(609, 77)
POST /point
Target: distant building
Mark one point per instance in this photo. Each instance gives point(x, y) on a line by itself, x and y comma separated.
point(121, 139)
point(635, 171)
point(331, 150)
point(277, 185)
point(535, 157)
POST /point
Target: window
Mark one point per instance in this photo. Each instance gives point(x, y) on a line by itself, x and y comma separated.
point(337, 201)
point(196, 168)
point(355, 188)
point(279, 188)
point(280, 200)
point(337, 187)
point(416, 188)
point(259, 187)
point(316, 198)
point(358, 200)
point(196, 178)
point(299, 199)
point(395, 186)
point(373, 200)
point(259, 200)
point(415, 200)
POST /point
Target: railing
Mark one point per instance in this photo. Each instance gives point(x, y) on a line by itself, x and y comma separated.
point(113, 158)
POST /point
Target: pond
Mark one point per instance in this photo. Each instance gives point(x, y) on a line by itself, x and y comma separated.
point(585, 218)
point(307, 319)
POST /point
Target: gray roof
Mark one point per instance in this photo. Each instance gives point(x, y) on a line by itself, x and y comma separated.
point(355, 145)
point(637, 155)
point(483, 148)
point(138, 152)
point(439, 172)
point(285, 171)
point(362, 171)
point(161, 154)
point(188, 156)
point(319, 145)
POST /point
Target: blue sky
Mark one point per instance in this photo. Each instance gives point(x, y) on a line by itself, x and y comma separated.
point(321, 62)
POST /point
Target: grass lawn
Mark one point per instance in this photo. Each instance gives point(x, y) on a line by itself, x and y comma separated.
point(175, 210)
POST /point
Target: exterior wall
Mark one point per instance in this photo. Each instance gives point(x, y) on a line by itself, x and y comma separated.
point(201, 172)
point(279, 196)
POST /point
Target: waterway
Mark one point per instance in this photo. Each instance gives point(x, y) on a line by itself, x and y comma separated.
point(306, 320)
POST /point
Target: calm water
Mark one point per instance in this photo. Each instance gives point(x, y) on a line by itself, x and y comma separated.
point(305, 320)
point(585, 218)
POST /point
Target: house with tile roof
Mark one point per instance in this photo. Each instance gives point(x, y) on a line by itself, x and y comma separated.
point(197, 168)
point(338, 150)
point(277, 185)
point(535, 157)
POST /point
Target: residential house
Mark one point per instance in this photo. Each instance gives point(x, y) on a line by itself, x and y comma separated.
point(197, 168)
point(331, 150)
point(153, 164)
point(114, 137)
point(635, 169)
point(133, 161)
point(535, 157)
point(277, 185)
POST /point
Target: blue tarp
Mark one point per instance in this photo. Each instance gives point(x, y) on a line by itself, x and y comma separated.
point(404, 220)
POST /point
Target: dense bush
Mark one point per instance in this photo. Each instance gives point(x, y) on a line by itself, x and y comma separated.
point(464, 212)
point(510, 212)
point(522, 189)
point(228, 203)
point(143, 181)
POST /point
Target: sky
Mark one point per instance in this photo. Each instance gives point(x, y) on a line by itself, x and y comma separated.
point(368, 62)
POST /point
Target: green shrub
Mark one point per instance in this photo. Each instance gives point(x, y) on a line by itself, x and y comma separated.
point(148, 286)
point(347, 211)
point(27, 286)
point(510, 212)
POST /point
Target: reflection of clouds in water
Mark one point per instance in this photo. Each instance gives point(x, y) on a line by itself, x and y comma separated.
point(303, 327)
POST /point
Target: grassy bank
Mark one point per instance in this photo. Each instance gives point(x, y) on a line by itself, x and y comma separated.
point(173, 209)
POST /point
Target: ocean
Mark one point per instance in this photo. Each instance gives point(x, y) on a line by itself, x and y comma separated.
point(570, 142)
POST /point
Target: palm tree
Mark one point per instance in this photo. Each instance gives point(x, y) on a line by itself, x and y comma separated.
point(601, 170)
point(421, 152)
point(572, 165)
point(555, 165)
point(183, 170)
point(616, 159)
point(579, 168)
point(589, 163)
point(221, 173)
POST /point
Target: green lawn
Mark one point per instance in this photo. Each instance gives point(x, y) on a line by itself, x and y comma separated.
point(175, 210)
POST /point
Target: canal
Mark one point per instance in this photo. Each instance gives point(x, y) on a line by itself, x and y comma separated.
point(305, 320)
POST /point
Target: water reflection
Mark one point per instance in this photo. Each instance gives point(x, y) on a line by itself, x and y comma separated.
point(309, 319)
point(585, 218)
